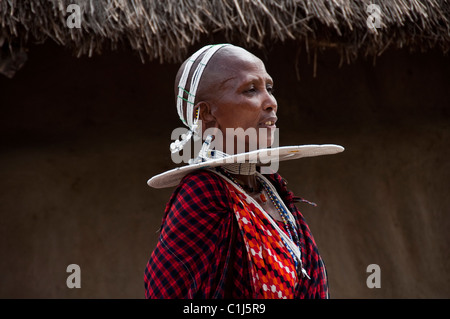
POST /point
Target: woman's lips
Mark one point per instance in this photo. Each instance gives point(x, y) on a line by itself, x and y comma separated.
point(269, 123)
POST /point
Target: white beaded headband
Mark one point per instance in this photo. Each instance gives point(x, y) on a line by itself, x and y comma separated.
point(189, 120)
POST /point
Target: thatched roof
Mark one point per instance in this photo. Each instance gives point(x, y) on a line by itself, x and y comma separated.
point(166, 30)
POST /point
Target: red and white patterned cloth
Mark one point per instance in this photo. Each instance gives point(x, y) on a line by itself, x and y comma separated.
point(201, 252)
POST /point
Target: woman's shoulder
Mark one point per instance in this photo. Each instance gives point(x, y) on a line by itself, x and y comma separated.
point(203, 185)
point(203, 178)
point(278, 181)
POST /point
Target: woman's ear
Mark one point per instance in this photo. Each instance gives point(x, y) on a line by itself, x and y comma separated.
point(208, 120)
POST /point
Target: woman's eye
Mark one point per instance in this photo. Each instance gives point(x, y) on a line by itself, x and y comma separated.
point(251, 90)
point(254, 89)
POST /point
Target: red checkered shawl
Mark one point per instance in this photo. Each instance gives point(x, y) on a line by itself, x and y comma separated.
point(201, 252)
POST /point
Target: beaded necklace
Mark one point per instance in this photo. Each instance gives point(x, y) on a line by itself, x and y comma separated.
point(240, 168)
point(288, 223)
point(284, 215)
point(244, 169)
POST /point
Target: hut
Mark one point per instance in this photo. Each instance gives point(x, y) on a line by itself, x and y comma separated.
point(87, 110)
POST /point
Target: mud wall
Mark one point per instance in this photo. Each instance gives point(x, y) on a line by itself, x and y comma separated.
point(80, 137)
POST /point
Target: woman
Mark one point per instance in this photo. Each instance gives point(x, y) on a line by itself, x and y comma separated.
point(228, 230)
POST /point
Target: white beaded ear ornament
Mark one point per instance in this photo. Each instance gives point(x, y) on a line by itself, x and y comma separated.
point(189, 120)
point(178, 145)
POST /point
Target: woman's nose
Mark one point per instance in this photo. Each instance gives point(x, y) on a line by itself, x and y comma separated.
point(270, 103)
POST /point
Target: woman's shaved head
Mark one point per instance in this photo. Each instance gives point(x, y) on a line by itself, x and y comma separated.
point(220, 68)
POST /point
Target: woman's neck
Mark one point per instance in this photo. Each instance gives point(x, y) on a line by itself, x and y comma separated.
point(249, 182)
point(240, 168)
point(244, 174)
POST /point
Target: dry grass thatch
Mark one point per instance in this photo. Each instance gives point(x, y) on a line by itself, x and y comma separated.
point(167, 29)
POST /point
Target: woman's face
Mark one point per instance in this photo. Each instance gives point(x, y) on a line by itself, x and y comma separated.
point(240, 95)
